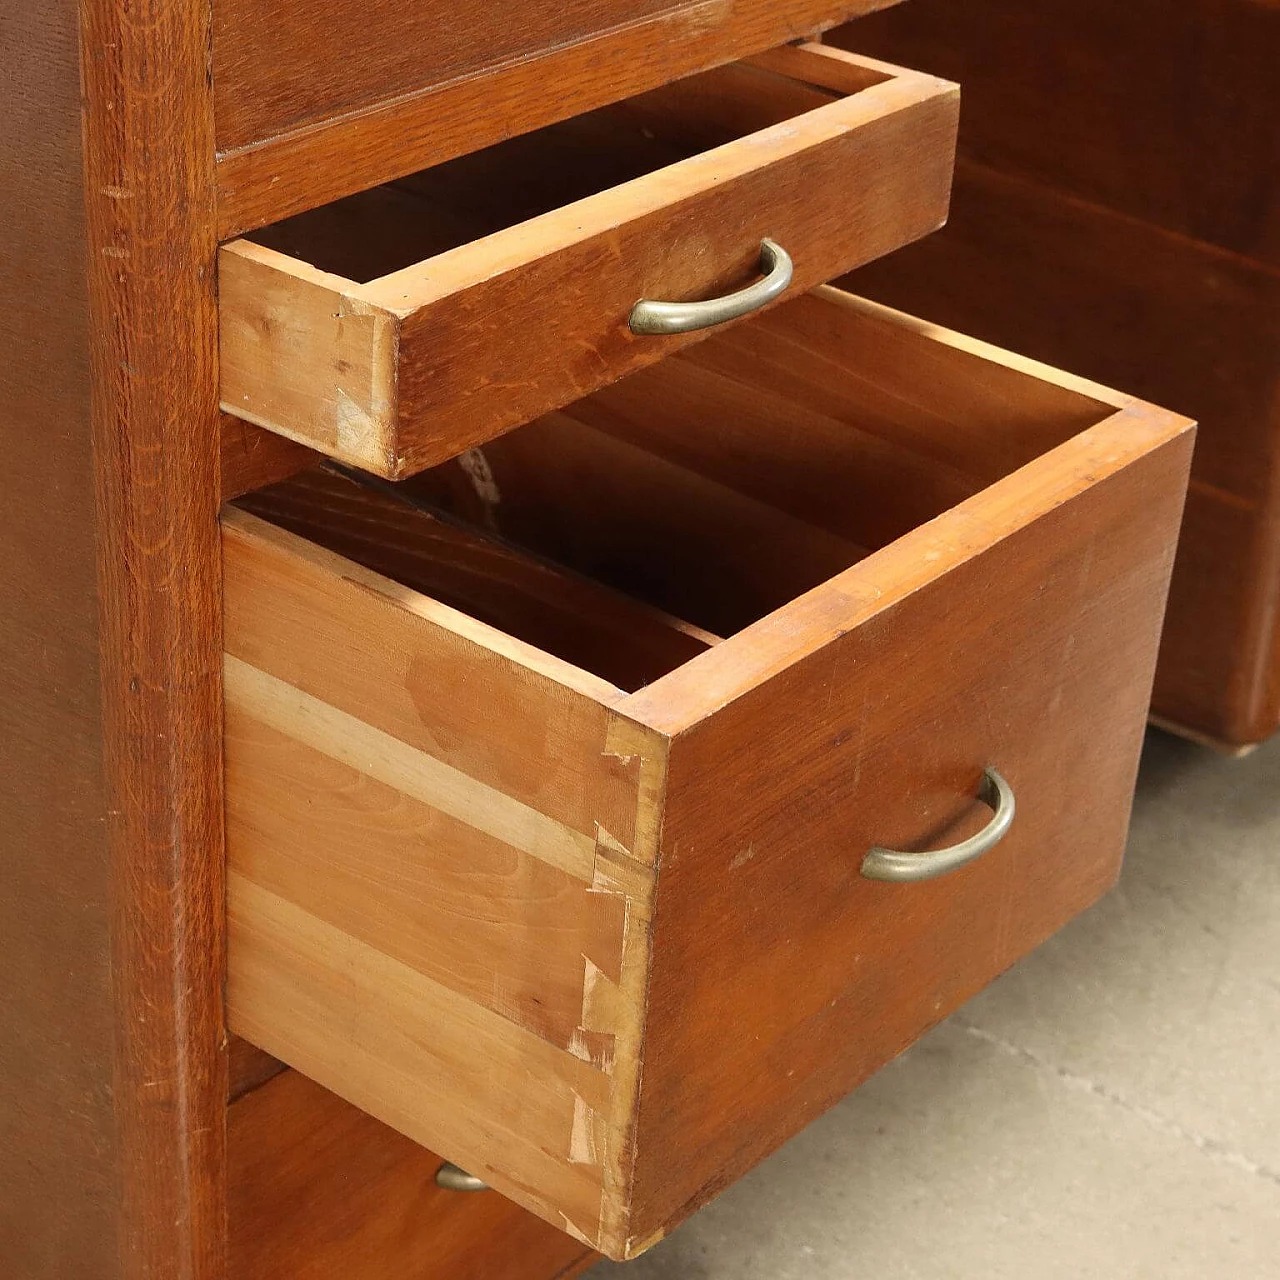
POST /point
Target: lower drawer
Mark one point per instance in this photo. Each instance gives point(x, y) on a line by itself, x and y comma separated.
point(318, 1190)
point(562, 852)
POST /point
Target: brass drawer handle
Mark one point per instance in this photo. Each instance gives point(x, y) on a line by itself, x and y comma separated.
point(648, 316)
point(451, 1178)
point(901, 867)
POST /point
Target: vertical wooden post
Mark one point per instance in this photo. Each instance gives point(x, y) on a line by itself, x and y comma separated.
point(149, 188)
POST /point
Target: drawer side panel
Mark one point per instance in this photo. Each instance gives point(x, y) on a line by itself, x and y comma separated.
point(417, 918)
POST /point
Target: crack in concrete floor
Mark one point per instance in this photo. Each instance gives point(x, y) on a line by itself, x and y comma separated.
point(1211, 1147)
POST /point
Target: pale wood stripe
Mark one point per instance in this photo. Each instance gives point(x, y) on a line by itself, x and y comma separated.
point(346, 738)
point(499, 927)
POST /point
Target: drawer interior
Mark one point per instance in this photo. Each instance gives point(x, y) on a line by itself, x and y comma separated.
point(561, 612)
point(632, 530)
point(390, 227)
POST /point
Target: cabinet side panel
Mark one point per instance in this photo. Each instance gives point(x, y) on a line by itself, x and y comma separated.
point(57, 1138)
point(1109, 254)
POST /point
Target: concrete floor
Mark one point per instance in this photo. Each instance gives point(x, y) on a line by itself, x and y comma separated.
point(1110, 1108)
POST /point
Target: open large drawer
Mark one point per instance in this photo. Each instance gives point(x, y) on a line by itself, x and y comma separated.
point(398, 327)
point(608, 946)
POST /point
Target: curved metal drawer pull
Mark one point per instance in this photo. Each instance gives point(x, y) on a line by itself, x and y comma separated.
point(451, 1178)
point(900, 867)
point(684, 317)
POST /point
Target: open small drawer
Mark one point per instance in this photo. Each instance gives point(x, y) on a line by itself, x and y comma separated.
point(602, 830)
point(396, 328)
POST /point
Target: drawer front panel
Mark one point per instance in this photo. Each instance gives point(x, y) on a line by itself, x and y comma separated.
point(1033, 654)
point(607, 950)
point(536, 314)
point(270, 60)
point(318, 99)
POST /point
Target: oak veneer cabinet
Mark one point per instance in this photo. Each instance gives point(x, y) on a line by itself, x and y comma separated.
point(626, 706)
point(1127, 226)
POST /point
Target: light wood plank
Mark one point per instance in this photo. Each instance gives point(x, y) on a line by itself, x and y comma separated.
point(303, 355)
point(433, 891)
point(338, 960)
point(428, 676)
point(525, 1116)
point(348, 740)
point(390, 531)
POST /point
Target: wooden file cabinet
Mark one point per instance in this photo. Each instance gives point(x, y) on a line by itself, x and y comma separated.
point(1127, 225)
point(548, 734)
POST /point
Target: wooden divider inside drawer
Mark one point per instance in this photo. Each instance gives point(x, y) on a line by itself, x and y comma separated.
point(396, 328)
point(606, 948)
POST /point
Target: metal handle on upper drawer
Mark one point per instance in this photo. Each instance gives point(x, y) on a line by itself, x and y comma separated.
point(452, 1178)
point(902, 867)
point(684, 317)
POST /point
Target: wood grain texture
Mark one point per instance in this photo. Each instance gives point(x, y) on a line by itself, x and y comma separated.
point(59, 1170)
point(902, 462)
point(1175, 321)
point(248, 1067)
point(566, 614)
point(271, 64)
point(1019, 630)
point(149, 183)
point(373, 373)
point(252, 458)
point(878, 696)
point(1167, 113)
point(279, 584)
point(594, 511)
point(532, 316)
point(318, 1189)
point(473, 196)
point(334, 114)
point(864, 713)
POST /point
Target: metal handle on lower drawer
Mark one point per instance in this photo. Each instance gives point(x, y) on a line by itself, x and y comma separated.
point(648, 316)
point(452, 1178)
point(901, 867)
